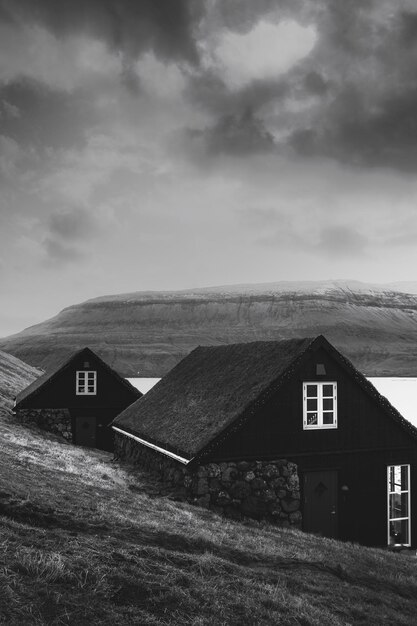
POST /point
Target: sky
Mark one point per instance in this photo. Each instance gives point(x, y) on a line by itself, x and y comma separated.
point(168, 145)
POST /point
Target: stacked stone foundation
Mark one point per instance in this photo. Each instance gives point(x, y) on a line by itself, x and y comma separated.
point(57, 421)
point(267, 490)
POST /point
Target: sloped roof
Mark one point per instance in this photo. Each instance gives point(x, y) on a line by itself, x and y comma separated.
point(206, 392)
point(46, 379)
point(216, 387)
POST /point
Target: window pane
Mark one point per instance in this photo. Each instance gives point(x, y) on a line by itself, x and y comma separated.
point(328, 418)
point(391, 479)
point(398, 505)
point(311, 391)
point(398, 478)
point(404, 477)
point(311, 419)
point(399, 532)
point(312, 405)
point(90, 375)
point(327, 404)
point(328, 391)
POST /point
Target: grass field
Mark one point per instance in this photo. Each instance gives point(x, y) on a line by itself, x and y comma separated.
point(85, 541)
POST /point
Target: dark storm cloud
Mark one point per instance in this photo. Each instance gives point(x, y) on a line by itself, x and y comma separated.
point(241, 15)
point(352, 133)
point(239, 134)
point(315, 84)
point(43, 117)
point(127, 26)
point(367, 115)
point(210, 92)
point(361, 77)
point(238, 128)
point(408, 27)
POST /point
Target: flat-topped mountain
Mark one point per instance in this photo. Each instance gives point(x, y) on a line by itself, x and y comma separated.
point(147, 333)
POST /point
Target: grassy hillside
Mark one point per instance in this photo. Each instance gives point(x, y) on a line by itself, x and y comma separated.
point(150, 332)
point(85, 541)
point(14, 376)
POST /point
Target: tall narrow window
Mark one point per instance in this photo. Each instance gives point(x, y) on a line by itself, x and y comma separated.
point(399, 505)
point(319, 405)
point(86, 383)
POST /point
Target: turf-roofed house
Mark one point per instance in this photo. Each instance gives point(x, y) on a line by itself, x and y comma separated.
point(78, 399)
point(289, 431)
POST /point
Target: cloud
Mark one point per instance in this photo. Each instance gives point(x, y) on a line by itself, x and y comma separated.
point(67, 232)
point(44, 118)
point(8, 110)
point(126, 26)
point(340, 241)
point(364, 114)
point(61, 252)
point(344, 91)
point(71, 225)
point(241, 135)
point(265, 52)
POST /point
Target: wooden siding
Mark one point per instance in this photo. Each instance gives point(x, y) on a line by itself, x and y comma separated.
point(111, 398)
point(60, 391)
point(276, 428)
point(365, 442)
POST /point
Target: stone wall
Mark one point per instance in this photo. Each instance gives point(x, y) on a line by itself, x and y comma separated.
point(258, 489)
point(57, 421)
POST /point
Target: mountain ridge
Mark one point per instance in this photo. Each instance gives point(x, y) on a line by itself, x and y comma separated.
point(147, 333)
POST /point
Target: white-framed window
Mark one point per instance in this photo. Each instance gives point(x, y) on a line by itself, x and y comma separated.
point(319, 405)
point(86, 383)
point(399, 519)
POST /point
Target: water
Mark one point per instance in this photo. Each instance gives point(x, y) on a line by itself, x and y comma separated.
point(143, 384)
point(402, 393)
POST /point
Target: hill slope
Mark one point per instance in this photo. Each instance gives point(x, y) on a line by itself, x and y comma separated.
point(15, 375)
point(150, 332)
point(85, 541)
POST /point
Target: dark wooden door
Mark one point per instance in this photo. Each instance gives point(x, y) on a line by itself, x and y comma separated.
point(86, 431)
point(320, 503)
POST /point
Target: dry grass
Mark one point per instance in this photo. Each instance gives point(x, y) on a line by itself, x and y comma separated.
point(85, 541)
point(220, 381)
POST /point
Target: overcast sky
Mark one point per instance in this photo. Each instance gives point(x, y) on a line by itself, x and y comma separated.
point(154, 144)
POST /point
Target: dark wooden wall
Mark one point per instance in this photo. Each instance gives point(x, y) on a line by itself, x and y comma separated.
point(365, 442)
point(60, 392)
point(112, 398)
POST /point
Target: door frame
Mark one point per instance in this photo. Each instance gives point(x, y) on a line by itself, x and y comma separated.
point(335, 521)
point(91, 418)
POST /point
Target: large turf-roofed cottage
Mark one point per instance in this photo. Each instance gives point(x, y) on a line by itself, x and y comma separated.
point(78, 399)
point(287, 430)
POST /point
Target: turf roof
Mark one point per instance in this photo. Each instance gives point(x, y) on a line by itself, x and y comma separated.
point(48, 377)
point(206, 392)
point(214, 386)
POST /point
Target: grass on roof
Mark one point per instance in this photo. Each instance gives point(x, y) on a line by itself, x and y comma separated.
point(206, 391)
point(87, 541)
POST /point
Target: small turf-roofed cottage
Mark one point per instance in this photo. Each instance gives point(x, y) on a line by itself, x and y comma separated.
point(287, 430)
point(78, 399)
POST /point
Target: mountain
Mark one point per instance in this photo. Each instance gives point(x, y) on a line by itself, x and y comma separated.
point(15, 375)
point(147, 333)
